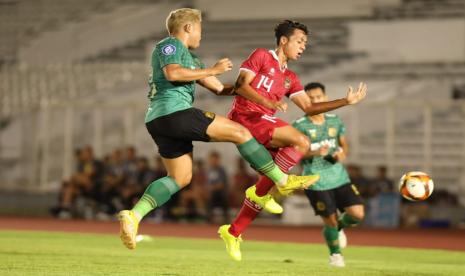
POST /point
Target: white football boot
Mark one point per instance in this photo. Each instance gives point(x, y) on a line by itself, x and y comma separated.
point(336, 260)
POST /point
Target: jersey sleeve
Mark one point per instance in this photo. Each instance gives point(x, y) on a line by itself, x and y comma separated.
point(255, 61)
point(169, 53)
point(296, 86)
point(198, 62)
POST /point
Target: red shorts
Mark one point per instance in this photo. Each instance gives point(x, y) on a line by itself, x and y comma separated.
point(261, 126)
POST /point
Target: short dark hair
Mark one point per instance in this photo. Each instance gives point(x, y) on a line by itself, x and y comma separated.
point(314, 85)
point(286, 28)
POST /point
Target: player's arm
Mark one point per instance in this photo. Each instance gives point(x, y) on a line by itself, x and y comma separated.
point(353, 97)
point(341, 154)
point(343, 143)
point(244, 89)
point(175, 72)
point(213, 84)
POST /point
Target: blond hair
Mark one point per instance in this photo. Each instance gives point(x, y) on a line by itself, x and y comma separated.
point(180, 17)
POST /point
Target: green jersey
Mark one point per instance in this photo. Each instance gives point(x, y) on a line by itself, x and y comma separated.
point(167, 97)
point(332, 175)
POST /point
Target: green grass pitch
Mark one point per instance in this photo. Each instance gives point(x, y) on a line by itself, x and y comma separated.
point(45, 253)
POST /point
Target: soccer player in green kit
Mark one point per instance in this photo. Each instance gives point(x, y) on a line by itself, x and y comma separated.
point(334, 189)
point(173, 123)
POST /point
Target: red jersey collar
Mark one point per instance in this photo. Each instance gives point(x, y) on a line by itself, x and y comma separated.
point(275, 56)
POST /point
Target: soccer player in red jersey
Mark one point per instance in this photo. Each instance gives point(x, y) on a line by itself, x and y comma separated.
point(264, 79)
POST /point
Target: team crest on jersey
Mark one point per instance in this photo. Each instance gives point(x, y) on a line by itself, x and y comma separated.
point(168, 49)
point(332, 132)
point(287, 83)
point(271, 73)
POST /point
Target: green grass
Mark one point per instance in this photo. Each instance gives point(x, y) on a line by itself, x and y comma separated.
point(44, 253)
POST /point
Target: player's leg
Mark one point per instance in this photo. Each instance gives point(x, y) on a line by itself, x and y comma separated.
point(160, 191)
point(225, 130)
point(262, 130)
point(271, 131)
point(324, 204)
point(352, 216)
point(157, 193)
point(172, 134)
point(331, 235)
point(350, 201)
point(292, 146)
point(286, 136)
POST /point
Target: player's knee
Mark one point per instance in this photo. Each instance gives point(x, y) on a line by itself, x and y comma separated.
point(358, 214)
point(183, 179)
point(241, 134)
point(303, 143)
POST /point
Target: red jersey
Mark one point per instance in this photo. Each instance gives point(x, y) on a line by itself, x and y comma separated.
point(269, 81)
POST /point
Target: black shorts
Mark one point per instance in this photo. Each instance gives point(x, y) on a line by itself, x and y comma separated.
point(326, 203)
point(174, 133)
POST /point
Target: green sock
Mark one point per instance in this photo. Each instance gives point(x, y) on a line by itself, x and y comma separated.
point(260, 159)
point(156, 194)
point(346, 220)
point(331, 235)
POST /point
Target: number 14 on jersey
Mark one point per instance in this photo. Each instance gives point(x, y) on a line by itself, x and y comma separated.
point(266, 82)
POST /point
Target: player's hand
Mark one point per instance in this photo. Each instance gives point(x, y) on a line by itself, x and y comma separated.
point(222, 66)
point(323, 150)
point(340, 155)
point(280, 105)
point(354, 97)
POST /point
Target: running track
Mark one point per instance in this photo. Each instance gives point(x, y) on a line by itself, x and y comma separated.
point(413, 238)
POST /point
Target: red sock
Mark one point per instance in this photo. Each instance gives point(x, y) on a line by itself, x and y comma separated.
point(247, 214)
point(264, 185)
point(285, 159)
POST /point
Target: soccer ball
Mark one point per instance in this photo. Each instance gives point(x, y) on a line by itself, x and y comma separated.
point(416, 186)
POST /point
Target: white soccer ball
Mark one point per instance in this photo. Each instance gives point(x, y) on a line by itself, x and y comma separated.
point(416, 186)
